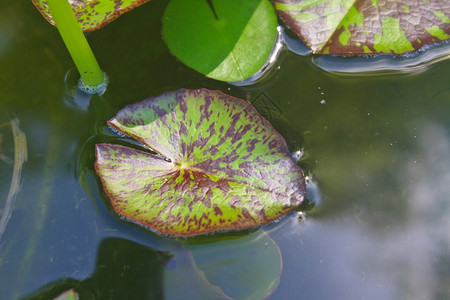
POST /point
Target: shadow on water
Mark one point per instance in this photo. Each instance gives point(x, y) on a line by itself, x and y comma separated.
point(120, 264)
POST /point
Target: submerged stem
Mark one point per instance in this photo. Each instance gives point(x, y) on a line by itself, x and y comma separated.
point(76, 43)
point(20, 157)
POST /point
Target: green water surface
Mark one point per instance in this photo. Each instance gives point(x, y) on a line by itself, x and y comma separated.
point(377, 146)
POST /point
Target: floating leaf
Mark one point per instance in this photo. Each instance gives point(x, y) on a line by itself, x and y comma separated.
point(219, 165)
point(228, 40)
point(247, 267)
point(92, 14)
point(366, 26)
point(183, 280)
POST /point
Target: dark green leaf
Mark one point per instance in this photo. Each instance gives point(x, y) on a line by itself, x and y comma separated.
point(123, 270)
point(220, 165)
point(366, 26)
point(228, 40)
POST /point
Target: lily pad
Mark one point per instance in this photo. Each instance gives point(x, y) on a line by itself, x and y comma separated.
point(366, 26)
point(228, 40)
point(182, 279)
point(247, 267)
point(92, 14)
point(217, 164)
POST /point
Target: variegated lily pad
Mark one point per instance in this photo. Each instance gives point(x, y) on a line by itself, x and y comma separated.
point(92, 14)
point(366, 26)
point(218, 165)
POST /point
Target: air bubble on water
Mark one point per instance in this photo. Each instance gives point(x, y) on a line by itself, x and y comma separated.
point(94, 89)
point(297, 155)
point(117, 132)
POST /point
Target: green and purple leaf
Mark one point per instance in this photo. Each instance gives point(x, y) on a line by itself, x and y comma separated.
point(366, 26)
point(92, 14)
point(218, 165)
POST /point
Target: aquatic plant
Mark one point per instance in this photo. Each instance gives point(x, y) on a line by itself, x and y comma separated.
point(212, 163)
point(366, 26)
point(92, 77)
point(230, 40)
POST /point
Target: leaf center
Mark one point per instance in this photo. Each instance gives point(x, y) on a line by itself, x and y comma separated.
point(212, 8)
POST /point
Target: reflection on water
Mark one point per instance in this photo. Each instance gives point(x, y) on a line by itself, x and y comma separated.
point(268, 65)
point(20, 157)
point(416, 62)
point(120, 264)
point(355, 258)
point(418, 252)
point(313, 195)
point(74, 97)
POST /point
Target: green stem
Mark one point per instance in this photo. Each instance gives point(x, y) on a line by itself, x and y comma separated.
point(76, 42)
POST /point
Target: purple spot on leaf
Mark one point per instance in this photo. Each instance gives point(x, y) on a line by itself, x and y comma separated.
point(255, 175)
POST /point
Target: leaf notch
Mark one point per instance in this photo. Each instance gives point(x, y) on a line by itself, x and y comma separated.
point(223, 165)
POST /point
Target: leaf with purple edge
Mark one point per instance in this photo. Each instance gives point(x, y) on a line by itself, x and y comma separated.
point(218, 165)
point(366, 26)
point(92, 14)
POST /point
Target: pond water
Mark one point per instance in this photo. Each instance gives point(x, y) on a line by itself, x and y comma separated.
point(376, 146)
